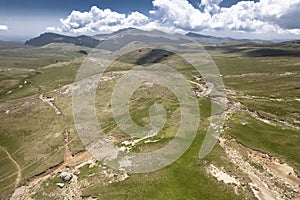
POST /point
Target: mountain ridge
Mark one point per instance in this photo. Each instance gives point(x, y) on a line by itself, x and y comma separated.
point(92, 41)
point(47, 38)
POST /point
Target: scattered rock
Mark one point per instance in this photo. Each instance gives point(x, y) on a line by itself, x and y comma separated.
point(295, 190)
point(60, 185)
point(9, 92)
point(65, 176)
point(50, 101)
point(221, 175)
point(18, 193)
point(92, 165)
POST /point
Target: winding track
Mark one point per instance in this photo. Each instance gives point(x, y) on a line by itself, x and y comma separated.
point(19, 170)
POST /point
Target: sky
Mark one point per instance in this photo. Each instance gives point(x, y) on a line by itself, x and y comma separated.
point(252, 19)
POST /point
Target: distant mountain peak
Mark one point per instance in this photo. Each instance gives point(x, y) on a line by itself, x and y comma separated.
point(48, 38)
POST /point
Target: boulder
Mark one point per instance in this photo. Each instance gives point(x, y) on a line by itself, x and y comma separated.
point(65, 176)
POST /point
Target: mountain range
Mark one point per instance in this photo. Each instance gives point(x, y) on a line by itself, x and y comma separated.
point(226, 44)
point(93, 41)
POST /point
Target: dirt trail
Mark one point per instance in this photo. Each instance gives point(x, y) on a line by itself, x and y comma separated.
point(24, 192)
point(271, 180)
point(266, 119)
point(50, 101)
point(269, 120)
point(270, 177)
point(58, 64)
point(69, 161)
point(67, 151)
point(19, 170)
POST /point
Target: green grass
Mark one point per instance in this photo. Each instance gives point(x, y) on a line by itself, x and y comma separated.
point(186, 178)
point(46, 80)
point(48, 186)
point(27, 63)
point(34, 58)
point(267, 85)
point(8, 175)
point(33, 133)
point(270, 93)
point(283, 110)
point(279, 141)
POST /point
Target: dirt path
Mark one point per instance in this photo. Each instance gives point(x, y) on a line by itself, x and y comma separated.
point(269, 177)
point(69, 161)
point(58, 64)
point(266, 119)
point(50, 101)
point(272, 180)
point(24, 192)
point(270, 120)
point(67, 151)
point(19, 170)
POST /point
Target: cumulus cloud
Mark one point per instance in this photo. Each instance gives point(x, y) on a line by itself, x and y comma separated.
point(264, 16)
point(3, 28)
point(248, 16)
point(212, 6)
point(179, 13)
point(98, 20)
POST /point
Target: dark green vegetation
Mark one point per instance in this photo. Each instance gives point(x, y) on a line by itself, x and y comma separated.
point(33, 134)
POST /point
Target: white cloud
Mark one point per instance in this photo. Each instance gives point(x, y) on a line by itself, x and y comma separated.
point(98, 20)
point(211, 6)
point(179, 13)
point(3, 28)
point(263, 17)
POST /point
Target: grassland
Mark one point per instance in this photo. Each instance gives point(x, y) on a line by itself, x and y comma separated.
point(269, 87)
point(30, 131)
point(33, 134)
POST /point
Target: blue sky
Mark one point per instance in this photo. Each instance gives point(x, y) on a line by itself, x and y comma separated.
point(266, 19)
point(64, 6)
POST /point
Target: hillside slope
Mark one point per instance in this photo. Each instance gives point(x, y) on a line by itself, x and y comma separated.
point(48, 38)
